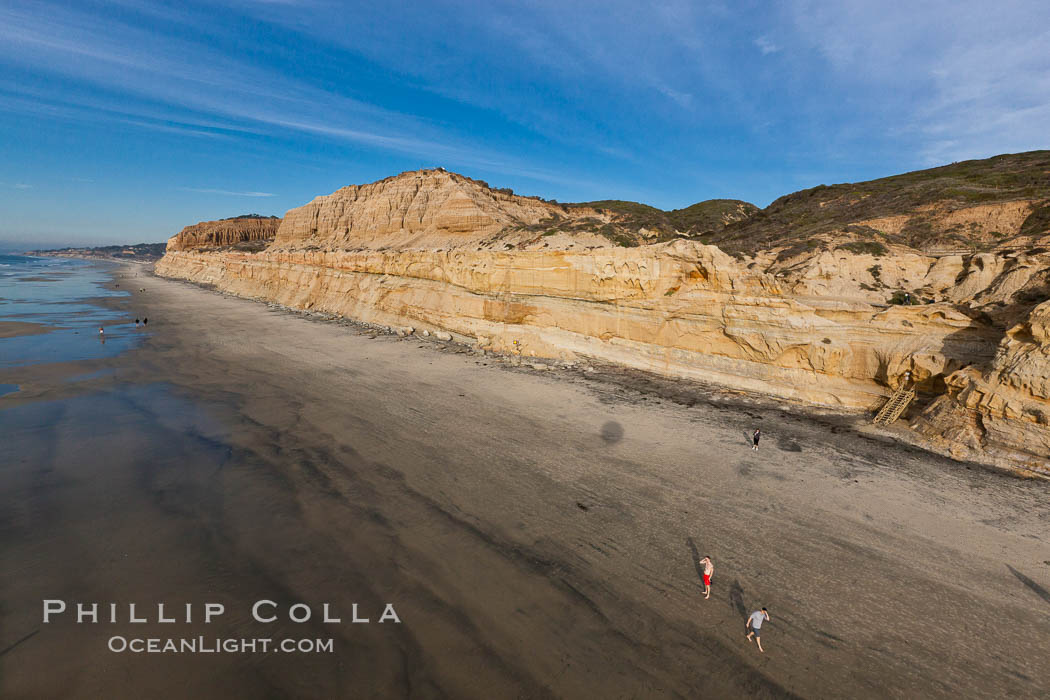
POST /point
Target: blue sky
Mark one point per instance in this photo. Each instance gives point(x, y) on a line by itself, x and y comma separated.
point(124, 121)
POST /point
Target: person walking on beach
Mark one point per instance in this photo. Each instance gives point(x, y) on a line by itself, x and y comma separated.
point(754, 439)
point(709, 569)
point(754, 623)
point(101, 332)
point(145, 321)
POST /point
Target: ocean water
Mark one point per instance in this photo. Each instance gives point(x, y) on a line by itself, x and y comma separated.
point(63, 297)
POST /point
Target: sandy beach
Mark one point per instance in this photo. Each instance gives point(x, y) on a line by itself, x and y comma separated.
point(539, 532)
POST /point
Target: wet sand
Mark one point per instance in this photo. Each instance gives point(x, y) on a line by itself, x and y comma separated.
point(11, 329)
point(538, 532)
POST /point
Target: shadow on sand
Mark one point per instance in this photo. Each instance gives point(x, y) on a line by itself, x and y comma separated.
point(696, 558)
point(736, 598)
point(1039, 590)
point(612, 432)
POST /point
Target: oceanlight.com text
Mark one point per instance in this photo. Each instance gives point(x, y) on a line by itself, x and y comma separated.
point(213, 645)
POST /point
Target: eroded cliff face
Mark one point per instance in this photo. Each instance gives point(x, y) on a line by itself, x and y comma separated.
point(437, 251)
point(430, 210)
point(1000, 408)
point(225, 233)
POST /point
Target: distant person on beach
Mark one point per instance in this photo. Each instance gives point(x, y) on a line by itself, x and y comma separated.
point(754, 439)
point(754, 623)
point(145, 321)
point(101, 332)
point(136, 323)
point(709, 569)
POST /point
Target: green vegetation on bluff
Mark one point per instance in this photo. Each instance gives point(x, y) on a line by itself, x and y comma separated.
point(926, 209)
point(922, 197)
point(700, 219)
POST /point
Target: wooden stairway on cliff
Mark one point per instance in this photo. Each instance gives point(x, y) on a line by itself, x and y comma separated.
point(895, 406)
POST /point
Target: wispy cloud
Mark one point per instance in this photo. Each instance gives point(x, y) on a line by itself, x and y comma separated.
point(22, 186)
point(208, 190)
point(173, 128)
point(684, 99)
point(766, 46)
point(706, 99)
point(953, 79)
point(184, 80)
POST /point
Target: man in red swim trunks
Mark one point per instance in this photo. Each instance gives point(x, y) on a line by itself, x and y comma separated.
point(709, 569)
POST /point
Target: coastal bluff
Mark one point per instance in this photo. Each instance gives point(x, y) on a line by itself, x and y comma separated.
point(238, 231)
point(833, 320)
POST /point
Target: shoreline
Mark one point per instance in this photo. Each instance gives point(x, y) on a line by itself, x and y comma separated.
point(537, 529)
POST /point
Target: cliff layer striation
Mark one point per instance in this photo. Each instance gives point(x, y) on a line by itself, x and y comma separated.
point(251, 232)
point(835, 325)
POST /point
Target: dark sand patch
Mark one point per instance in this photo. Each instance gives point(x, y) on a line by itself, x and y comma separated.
point(12, 329)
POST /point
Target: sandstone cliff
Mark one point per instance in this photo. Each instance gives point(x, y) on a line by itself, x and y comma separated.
point(439, 210)
point(1001, 408)
point(818, 324)
point(226, 233)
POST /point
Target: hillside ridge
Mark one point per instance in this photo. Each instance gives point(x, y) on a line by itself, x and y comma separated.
point(999, 203)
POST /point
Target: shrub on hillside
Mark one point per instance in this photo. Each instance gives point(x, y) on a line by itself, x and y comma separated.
point(865, 248)
point(904, 299)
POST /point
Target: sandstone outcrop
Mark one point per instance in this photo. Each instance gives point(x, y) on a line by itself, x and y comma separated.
point(1000, 409)
point(225, 233)
point(440, 253)
point(682, 309)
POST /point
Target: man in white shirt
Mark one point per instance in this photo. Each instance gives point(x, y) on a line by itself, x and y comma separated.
point(754, 623)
